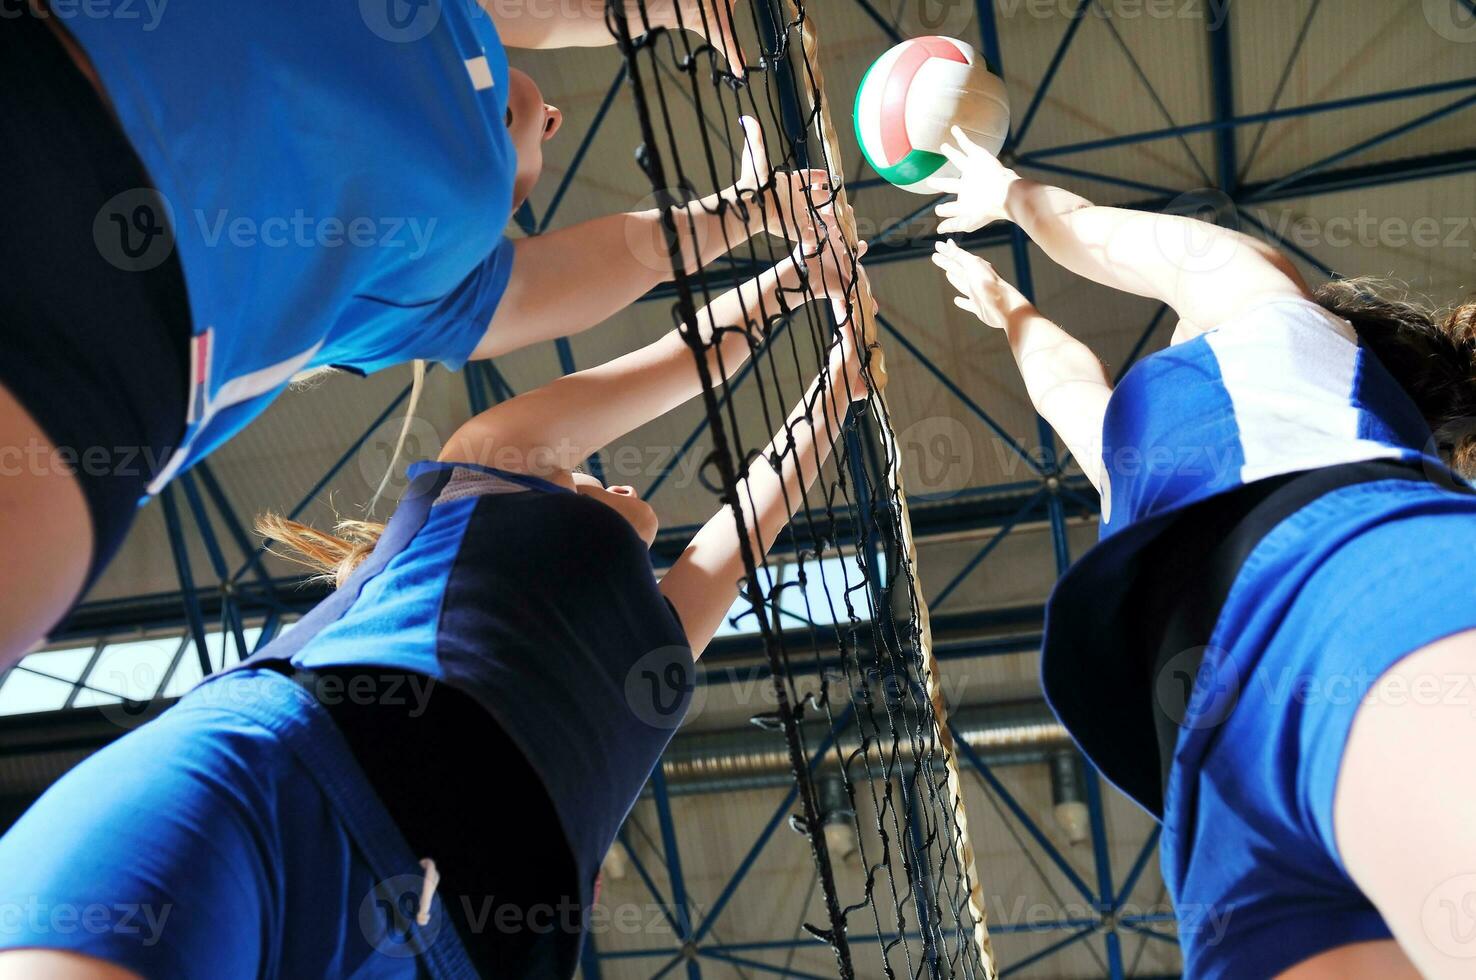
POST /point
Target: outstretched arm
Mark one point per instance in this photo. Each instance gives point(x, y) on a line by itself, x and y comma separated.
point(583, 24)
point(1208, 274)
point(1067, 384)
point(566, 281)
point(557, 426)
point(701, 585)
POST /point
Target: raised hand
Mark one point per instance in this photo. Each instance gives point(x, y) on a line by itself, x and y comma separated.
point(779, 203)
point(712, 20)
point(982, 189)
point(984, 292)
point(824, 269)
point(720, 30)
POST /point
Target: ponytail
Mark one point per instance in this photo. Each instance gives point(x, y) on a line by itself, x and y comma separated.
point(332, 557)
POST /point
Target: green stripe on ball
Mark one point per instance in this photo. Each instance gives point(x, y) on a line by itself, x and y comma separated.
point(916, 166)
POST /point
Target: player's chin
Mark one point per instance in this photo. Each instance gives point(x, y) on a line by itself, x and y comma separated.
point(646, 521)
point(524, 182)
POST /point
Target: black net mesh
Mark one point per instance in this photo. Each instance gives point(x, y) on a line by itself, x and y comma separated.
point(840, 615)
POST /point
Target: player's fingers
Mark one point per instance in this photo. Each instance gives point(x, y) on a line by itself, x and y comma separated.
point(964, 141)
point(755, 155)
point(946, 185)
point(948, 209)
point(727, 39)
point(955, 155)
point(815, 179)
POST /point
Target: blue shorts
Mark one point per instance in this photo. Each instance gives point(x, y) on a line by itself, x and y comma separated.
point(1326, 603)
point(234, 836)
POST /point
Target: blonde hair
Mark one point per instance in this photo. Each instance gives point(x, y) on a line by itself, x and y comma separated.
point(332, 557)
point(417, 387)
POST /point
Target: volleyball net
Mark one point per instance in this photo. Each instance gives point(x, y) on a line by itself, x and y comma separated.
point(843, 624)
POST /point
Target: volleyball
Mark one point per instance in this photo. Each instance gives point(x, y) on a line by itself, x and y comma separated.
point(909, 98)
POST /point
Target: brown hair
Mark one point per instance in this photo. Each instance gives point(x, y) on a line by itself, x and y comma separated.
point(1430, 352)
point(332, 557)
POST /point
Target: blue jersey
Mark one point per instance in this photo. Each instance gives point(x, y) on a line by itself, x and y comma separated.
point(540, 603)
point(1302, 631)
point(1286, 388)
point(339, 176)
point(249, 808)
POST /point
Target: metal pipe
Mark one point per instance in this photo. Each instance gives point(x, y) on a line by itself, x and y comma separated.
point(1017, 733)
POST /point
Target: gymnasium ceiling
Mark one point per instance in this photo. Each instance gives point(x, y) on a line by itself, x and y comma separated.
point(1143, 66)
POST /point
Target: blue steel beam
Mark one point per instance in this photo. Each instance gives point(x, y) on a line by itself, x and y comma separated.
point(674, 867)
point(578, 159)
point(1222, 81)
point(1250, 119)
point(1025, 280)
point(762, 967)
point(1292, 179)
point(1280, 241)
point(780, 812)
point(1143, 339)
point(1149, 931)
point(661, 902)
point(1050, 950)
point(1286, 73)
point(1148, 87)
point(959, 393)
point(1077, 18)
point(675, 960)
point(985, 551)
point(1104, 868)
point(236, 530)
point(500, 388)
point(1422, 167)
point(476, 398)
point(1131, 881)
point(1013, 805)
point(1351, 178)
point(174, 663)
point(1065, 171)
point(342, 461)
point(230, 621)
point(525, 219)
point(186, 578)
point(887, 27)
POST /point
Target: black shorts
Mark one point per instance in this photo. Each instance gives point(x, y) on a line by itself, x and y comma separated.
point(461, 791)
point(94, 328)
